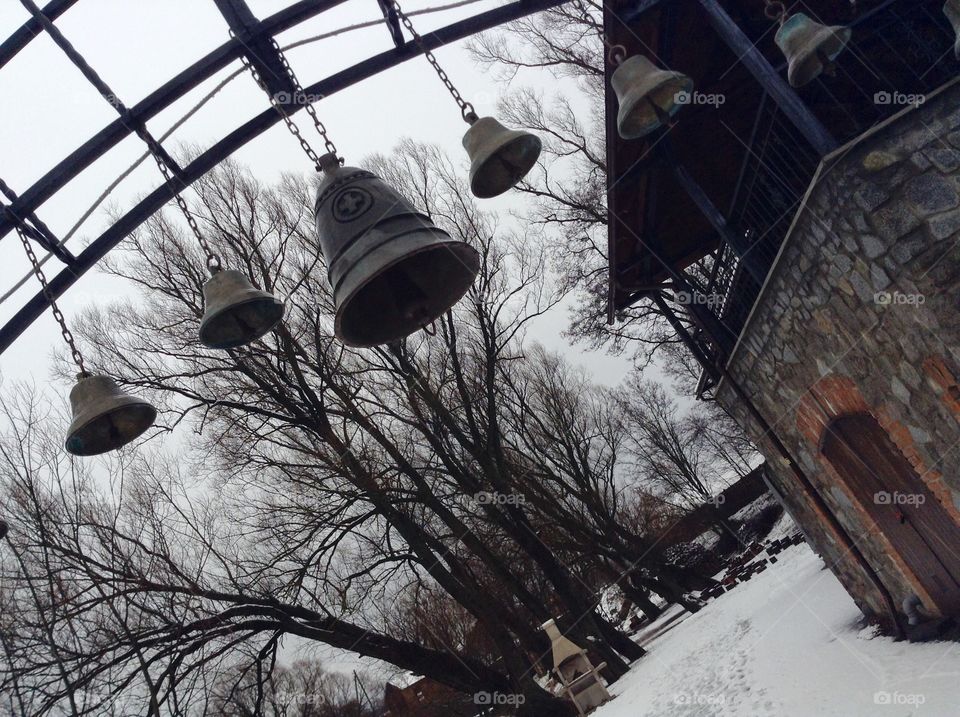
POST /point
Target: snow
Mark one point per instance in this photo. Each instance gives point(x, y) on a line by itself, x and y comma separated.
point(790, 643)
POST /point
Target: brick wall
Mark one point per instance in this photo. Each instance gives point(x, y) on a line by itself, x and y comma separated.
point(860, 313)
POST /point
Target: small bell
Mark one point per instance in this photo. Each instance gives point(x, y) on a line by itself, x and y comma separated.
point(104, 417)
point(648, 96)
point(951, 8)
point(236, 312)
point(392, 270)
point(499, 157)
point(810, 48)
point(4, 529)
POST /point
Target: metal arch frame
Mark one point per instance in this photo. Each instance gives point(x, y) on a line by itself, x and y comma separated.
point(250, 33)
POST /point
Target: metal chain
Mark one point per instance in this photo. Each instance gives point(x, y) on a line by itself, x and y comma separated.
point(213, 259)
point(300, 96)
point(466, 109)
point(775, 10)
point(57, 314)
point(615, 53)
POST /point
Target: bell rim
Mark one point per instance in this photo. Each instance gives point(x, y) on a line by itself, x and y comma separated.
point(685, 84)
point(124, 403)
point(467, 254)
point(206, 321)
point(517, 136)
point(798, 70)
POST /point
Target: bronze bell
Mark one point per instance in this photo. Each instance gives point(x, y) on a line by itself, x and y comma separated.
point(236, 312)
point(810, 48)
point(951, 8)
point(499, 157)
point(648, 96)
point(391, 269)
point(104, 417)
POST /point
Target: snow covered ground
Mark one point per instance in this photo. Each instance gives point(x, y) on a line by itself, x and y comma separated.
point(788, 643)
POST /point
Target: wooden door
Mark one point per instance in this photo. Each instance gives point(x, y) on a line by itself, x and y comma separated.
point(905, 511)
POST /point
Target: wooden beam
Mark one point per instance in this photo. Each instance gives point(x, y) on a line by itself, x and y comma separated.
point(779, 90)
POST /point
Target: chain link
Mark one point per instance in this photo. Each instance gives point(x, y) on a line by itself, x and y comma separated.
point(213, 259)
point(466, 109)
point(57, 314)
point(616, 53)
point(299, 96)
point(775, 10)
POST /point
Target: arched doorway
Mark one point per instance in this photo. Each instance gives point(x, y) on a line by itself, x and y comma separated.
point(905, 511)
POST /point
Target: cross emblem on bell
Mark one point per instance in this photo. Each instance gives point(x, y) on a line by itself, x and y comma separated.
point(351, 203)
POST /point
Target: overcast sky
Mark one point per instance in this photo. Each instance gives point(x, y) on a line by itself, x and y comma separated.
point(49, 110)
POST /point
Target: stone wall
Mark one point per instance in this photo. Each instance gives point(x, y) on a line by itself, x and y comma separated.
point(859, 313)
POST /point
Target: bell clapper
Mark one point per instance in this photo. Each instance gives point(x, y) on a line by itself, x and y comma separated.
point(829, 66)
point(665, 119)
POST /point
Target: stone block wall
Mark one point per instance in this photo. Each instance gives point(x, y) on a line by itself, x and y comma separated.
point(860, 313)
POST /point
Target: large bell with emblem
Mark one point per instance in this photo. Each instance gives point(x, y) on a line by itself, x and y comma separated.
point(391, 269)
point(648, 96)
point(104, 417)
point(235, 311)
point(951, 8)
point(810, 48)
point(499, 157)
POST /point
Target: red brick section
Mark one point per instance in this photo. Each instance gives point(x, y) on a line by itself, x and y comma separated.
point(942, 377)
point(835, 396)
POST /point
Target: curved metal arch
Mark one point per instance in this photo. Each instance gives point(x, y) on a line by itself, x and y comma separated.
point(169, 92)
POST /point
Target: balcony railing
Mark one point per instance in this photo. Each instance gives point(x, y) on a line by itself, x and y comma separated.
point(901, 50)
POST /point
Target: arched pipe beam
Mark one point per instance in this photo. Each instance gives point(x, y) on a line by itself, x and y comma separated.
point(22, 36)
point(206, 161)
point(168, 93)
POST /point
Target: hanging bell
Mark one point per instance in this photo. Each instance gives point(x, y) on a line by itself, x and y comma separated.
point(810, 48)
point(104, 417)
point(236, 312)
point(4, 529)
point(499, 157)
point(648, 96)
point(391, 269)
point(951, 8)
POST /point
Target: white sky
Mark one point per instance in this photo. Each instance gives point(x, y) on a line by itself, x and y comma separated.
point(49, 109)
